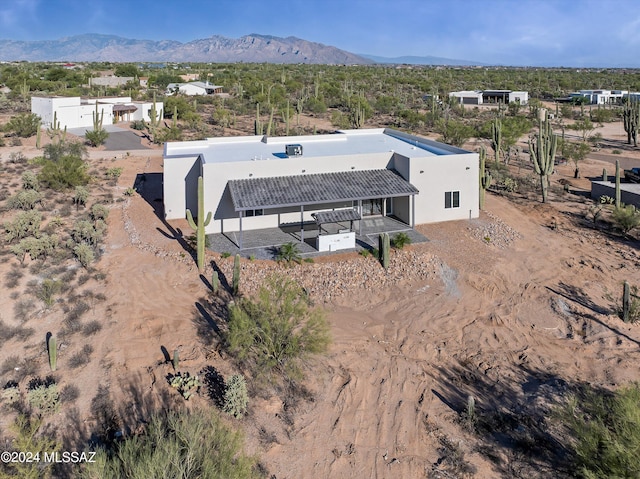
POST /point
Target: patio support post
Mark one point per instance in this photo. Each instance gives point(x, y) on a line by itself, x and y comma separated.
point(384, 207)
point(301, 223)
point(413, 211)
point(240, 218)
point(360, 213)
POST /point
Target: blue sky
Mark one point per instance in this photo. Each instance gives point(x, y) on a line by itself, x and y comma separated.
point(507, 32)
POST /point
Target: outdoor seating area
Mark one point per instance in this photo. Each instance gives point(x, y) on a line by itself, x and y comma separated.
point(265, 243)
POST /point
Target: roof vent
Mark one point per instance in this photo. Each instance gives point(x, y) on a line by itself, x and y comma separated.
point(293, 150)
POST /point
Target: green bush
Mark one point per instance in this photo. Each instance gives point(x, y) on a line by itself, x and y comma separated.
point(30, 181)
point(84, 253)
point(181, 445)
point(24, 125)
point(99, 212)
point(606, 432)
point(24, 200)
point(80, 196)
point(626, 218)
point(24, 224)
point(96, 137)
point(47, 290)
point(400, 240)
point(273, 332)
point(288, 253)
point(235, 396)
point(44, 398)
point(67, 172)
point(114, 173)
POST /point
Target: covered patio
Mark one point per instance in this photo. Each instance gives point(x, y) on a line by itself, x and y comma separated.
point(264, 243)
point(316, 193)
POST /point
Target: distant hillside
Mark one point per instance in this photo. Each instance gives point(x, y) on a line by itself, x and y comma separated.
point(216, 49)
point(412, 60)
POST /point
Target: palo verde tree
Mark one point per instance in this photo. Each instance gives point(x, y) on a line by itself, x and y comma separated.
point(273, 332)
point(543, 153)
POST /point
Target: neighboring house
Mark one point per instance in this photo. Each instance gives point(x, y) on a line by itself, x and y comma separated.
point(193, 88)
point(468, 97)
point(600, 97)
point(110, 81)
point(74, 112)
point(479, 97)
point(255, 182)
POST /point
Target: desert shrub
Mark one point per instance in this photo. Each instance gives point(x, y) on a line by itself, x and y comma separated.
point(36, 248)
point(28, 437)
point(17, 157)
point(43, 396)
point(400, 240)
point(235, 396)
point(47, 290)
point(81, 358)
point(114, 173)
point(13, 277)
point(10, 393)
point(99, 212)
point(8, 332)
point(22, 309)
point(173, 446)
point(96, 137)
point(605, 428)
point(186, 384)
point(91, 233)
point(24, 125)
point(24, 200)
point(626, 218)
point(80, 196)
point(69, 393)
point(84, 253)
point(92, 327)
point(30, 181)
point(289, 253)
point(277, 329)
point(139, 125)
point(67, 172)
point(129, 191)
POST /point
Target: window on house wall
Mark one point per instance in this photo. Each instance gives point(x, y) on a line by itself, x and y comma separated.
point(254, 213)
point(452, 199)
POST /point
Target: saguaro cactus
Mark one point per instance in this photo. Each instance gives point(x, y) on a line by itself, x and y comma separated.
point(215, 282)
point(236, 274)
point(383, 249)
point(52, 349)
point(605, 177)
point(97, 119)
point(626, 302)
point(617, 203)
point(176, 359)
point(496, 137)
point(200, 226)
point(631, 119)
point(38, 135)
point(485, 176)
point(258, 128)
point(543, 154)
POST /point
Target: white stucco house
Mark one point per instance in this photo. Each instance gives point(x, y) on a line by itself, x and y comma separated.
point(600, 97)
point(76, 112)
point(193, 88)
point(479, 97)
point(255, 182)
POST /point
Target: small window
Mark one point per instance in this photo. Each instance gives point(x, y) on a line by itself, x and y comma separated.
point(452, 199)
point(254, 213)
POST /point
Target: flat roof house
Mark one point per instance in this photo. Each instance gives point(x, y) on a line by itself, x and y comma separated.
point(193, 88)
point(256, 182)
point(76, 112)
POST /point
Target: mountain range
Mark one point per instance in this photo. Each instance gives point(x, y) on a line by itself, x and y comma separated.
point(252, 48)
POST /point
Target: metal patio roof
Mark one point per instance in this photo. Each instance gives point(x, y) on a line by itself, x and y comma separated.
point(301, 190)
point(336, 216)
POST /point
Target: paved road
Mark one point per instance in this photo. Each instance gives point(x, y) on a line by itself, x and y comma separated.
point(625, 161)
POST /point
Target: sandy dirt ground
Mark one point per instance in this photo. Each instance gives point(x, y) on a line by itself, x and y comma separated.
point(512, 320)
